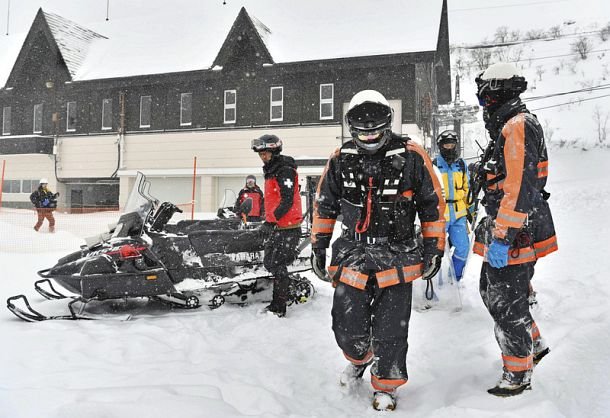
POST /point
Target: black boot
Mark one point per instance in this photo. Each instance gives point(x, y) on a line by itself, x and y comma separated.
point(512, 383)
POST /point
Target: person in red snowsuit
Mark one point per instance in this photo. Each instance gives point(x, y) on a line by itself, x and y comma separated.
point(283, 216)
point(255, 194)
point(518, 228)
point(378, 182)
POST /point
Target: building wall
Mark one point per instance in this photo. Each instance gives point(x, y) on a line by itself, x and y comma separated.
point(87, 156)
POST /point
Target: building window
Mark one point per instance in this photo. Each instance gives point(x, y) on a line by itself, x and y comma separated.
point(11, 186)
point(230, 106)
point(186, 109)
point(276, 111)
point(6, 121)
point(19, 186)
point(106, 114)
point(38, 118)
point(327, 98)
point(71, 117)
point(145, 106)
point(28, 186)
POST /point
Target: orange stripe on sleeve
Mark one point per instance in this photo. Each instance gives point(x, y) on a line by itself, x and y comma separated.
point(316, 215)
point(514, 160)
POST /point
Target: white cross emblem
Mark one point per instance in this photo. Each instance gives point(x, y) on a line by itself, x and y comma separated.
point(288, 183)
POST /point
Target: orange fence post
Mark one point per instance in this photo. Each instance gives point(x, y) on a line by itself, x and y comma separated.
point(2, 182)
point(194, 182)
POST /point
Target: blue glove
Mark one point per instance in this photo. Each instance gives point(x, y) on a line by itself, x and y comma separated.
point(45, 203)
point(497, 254)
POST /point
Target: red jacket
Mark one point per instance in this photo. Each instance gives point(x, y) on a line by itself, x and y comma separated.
point(256, 195)
point(282, 197)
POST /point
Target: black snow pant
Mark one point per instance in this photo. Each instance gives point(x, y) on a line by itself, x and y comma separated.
point(374, 322)
point(505, 294)
point(280, 251)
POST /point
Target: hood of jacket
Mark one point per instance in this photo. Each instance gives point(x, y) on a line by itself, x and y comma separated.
point(277, 162)
point(494, 122)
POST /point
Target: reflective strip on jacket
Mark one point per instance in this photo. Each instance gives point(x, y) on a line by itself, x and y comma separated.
point(455, 186)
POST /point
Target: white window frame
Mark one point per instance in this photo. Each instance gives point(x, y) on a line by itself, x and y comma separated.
point(30, 182)
point(276, 103)
point(37, 107)
point(182, 96)
point(327, 101)
point(69, 106)
point(141, 99)
point(104, 102)
point(4, 111)
point(229, 106)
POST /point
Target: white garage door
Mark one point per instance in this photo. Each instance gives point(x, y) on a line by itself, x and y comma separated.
point(177, 190)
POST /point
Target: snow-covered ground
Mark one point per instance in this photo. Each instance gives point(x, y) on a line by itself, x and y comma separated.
point(235, 362)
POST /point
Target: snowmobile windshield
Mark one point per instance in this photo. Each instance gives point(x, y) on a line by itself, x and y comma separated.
point(138, 207)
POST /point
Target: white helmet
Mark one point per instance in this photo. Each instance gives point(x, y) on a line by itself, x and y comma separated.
point(500, 82)
point(501, 71)
point(44, 181)
point(369, 117)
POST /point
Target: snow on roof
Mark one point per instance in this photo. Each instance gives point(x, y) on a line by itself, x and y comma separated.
point(72, 39)
point(157, 36)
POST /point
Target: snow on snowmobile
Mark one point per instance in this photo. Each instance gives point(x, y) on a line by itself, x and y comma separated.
point(141, 258)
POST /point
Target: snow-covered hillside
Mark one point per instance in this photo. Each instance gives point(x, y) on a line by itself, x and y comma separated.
point(233, 362)
point(569, 94)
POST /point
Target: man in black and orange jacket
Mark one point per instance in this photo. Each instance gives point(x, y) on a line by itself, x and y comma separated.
point(283, 216)
point(255, 194)
point(378, 182)
point(518, 228)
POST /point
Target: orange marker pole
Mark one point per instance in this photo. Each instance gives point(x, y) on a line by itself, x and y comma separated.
point(194, 182)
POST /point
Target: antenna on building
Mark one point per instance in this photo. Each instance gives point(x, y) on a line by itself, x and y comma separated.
point(107, 10)
point(8, 14)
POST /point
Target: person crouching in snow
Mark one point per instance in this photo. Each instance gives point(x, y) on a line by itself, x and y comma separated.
point(45, 203)
point(457, 211)
point(283, 216)
point(518, 228)
point(378, 181)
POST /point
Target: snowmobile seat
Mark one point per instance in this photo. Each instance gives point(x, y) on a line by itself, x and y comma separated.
point(227, 241)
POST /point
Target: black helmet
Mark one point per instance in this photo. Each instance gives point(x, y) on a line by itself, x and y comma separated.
point(267, 142)
point(369, 118)
point(447, 142)
point(499, 83)
point(251, 180)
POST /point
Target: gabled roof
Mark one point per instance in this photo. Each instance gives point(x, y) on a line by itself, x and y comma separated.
point(67, 40)
point(157, 36)
point(254, 29)
point(72, 39)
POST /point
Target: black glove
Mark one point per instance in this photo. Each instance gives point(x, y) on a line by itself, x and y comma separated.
point(318, 263)
point(432, 264)
point(267, 229)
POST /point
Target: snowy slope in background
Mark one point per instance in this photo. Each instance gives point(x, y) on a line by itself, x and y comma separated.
point(233, 362)
point(550, 66)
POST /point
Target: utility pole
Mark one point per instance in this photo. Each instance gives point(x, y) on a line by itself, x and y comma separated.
point(453, 114)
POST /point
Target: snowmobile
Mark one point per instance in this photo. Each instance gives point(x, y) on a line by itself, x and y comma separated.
point(140, 258)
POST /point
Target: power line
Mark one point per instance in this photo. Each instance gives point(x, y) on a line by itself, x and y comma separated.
point(586, 89)
point(572, 102)
point(525, 41)
point(541, 58)
point(508, 5)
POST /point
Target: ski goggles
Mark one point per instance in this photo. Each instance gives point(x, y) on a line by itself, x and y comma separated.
point(448, 136)
point(259, 145)
point(370, 136)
